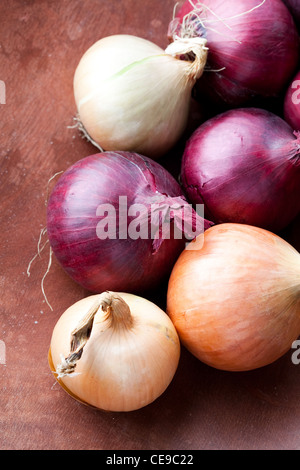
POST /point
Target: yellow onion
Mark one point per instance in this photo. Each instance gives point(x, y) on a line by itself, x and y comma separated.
point(234, 297)
point(132, 95)
point(114, 351)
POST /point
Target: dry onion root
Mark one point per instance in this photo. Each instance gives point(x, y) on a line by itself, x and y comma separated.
point(123, 353)
point(234, 298)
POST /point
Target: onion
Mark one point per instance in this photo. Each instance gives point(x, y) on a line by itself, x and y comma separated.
point(235, 297)
point(253, 46)
point(292, 103)
point(244, 165)
point(123, 354)
point(108, 218)
point(294, 7)
point(132, 95)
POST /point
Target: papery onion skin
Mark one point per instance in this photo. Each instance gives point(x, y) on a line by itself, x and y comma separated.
point(119, 370)
point(292, 104)
point(235, 301)
point(146, 113)
point(117, 264)
point(244, 165)
point(251, 53)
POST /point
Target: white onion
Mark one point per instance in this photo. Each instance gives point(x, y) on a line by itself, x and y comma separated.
point(132, 95)
point(123, 354)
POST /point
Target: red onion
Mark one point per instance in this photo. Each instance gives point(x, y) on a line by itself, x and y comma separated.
point(253, 46)
point(244, 165)
point(88, 225)
point(294, 7)
point(292, 103)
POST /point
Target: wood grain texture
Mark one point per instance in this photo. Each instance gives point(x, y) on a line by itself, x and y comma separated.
point(41, 42)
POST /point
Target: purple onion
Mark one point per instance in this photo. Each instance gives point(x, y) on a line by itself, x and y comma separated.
point(244, 165)
point(253, 47)
point(115, 261)
point(294, 7)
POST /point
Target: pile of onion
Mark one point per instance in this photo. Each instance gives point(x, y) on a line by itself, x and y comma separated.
point(108, 218)
point(234, 297)
point(244, 166)
point(123, 353)
point(253, 46)
point(292, 103)
point(118, 222)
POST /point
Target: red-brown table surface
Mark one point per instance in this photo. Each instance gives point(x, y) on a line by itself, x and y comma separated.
point(41, 42)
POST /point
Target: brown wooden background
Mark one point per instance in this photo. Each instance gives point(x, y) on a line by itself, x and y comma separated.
point(41, 42)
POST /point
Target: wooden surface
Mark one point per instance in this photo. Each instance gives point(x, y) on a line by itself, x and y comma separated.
point(41, 42)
